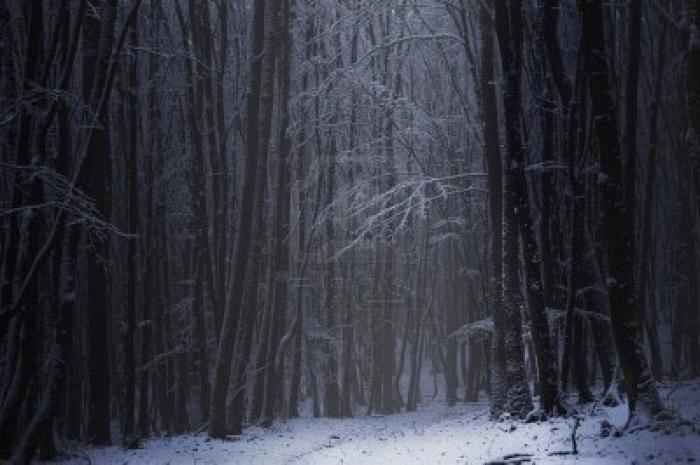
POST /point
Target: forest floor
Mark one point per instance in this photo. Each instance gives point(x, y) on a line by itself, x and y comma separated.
point(434, 435)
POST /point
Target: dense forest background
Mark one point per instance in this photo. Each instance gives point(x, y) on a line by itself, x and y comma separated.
point(219, 213)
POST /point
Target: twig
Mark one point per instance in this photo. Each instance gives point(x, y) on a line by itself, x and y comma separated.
point(574, 446)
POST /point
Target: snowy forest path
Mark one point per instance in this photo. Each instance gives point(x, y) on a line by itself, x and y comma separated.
point(436, 435)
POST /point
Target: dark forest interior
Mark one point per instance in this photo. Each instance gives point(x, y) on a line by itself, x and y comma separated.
point(218, 214)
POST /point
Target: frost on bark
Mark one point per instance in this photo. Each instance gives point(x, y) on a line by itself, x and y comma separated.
point(534, 285)
point(508, 20)
point(518, 400)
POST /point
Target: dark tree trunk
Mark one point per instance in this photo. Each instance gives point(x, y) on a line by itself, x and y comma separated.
point(221, 204)
point(451, 325)
point(97, 172)
point(508, 28)
point(693, 171)
point(349, 376)
point(258, 108)
point(643, 275)
point(246, 324)
point(199, 217)
point(331, 388)
point(302, 243)
point(282, 227)
point(129, 320)
point(387, 340)
point(20, 359)
point(268, 338)
point(492, 155)
point(413, 395)
point(577, 282)
point(58, 357)
point(618, 218)
point(152, 336)
point(201, 108)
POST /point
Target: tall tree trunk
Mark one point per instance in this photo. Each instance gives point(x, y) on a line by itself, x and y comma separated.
point(331, 388)
point(201, 107)
point(349, 376)
point(583, 272)
point(451, 324)
point(129, 321)
point(21, 330)
point(302, 243)
point(618, 219)
point(579, 264)
point(492, 157)
point(221, 207)
point(268, 337)
point(693, 105)
point(58, 356)
point(152, 335)
point(508, 23)
point(199, 216)
point(282, 227)
point(246, 325)
point(97, 171)
point(258, 110)
point(645, 292)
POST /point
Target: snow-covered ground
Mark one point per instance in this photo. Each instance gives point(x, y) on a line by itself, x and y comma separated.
point(434, 435)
